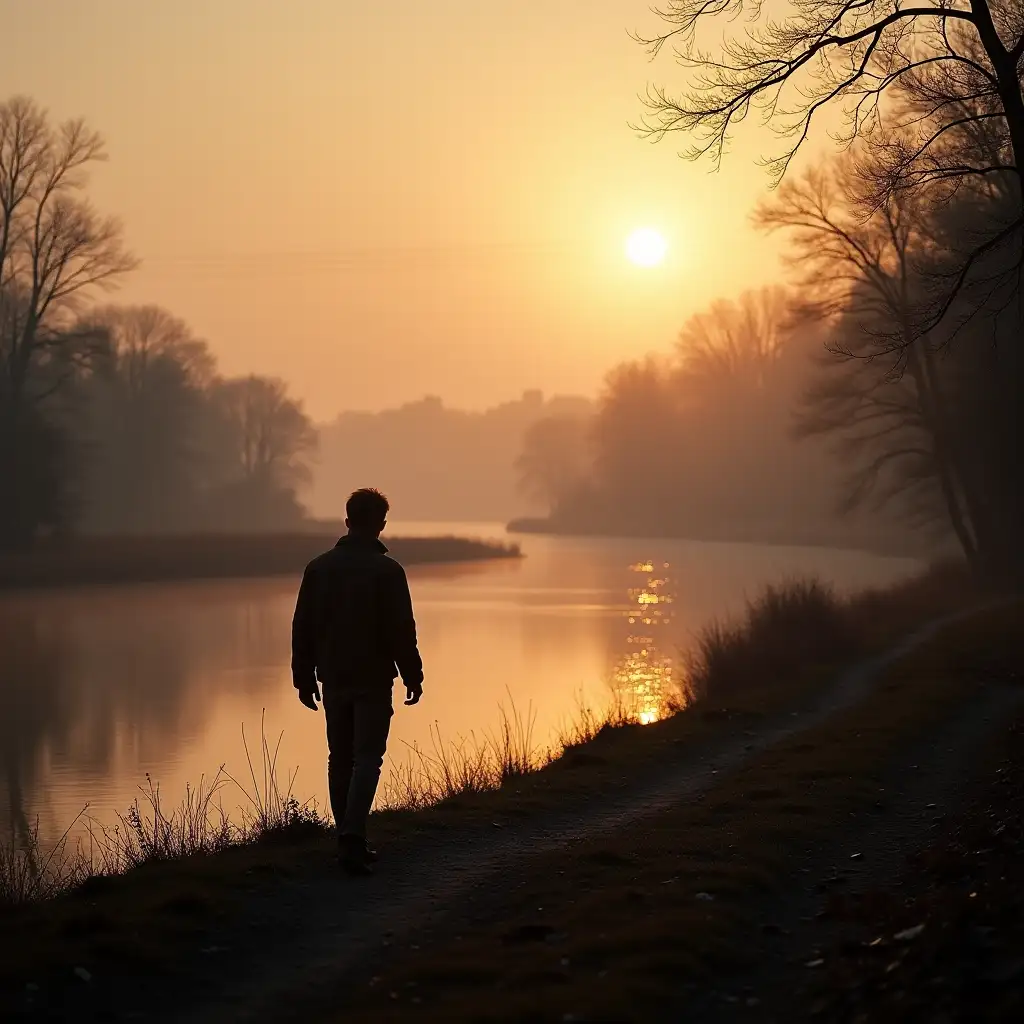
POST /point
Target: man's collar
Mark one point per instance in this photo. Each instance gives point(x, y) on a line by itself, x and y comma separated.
point(354, 540)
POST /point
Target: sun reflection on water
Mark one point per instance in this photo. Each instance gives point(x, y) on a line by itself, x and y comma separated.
point(644, 677)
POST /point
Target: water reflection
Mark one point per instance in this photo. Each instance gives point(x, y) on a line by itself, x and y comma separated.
point(645, 682)
point(99, 686)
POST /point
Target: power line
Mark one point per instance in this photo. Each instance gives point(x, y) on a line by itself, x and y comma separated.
point(358, 257)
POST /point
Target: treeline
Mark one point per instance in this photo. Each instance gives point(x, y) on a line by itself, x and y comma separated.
point(113, 418)
point(433, 461)
point(699, 442)
point(897, 352)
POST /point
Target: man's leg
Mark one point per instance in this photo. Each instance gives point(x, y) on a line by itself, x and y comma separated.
point(371, 723)
point(340, 712)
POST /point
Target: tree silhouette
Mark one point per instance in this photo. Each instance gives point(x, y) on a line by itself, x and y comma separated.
point(836, 53)
point(54, 250)
point(53, 245)
point(918, 81)
point(272, 436)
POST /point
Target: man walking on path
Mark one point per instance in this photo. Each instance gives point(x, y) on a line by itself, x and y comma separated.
point(354, 633)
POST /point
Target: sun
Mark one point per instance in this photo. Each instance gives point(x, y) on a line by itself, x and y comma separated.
point(646, 247)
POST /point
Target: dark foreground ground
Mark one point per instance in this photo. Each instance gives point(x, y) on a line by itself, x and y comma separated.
point(839, 847)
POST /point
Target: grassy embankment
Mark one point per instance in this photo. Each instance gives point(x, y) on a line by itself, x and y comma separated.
point(185, 870)
point(143, 559)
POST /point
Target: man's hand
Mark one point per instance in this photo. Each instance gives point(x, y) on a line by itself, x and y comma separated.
point(310, 697)
point(413, 692)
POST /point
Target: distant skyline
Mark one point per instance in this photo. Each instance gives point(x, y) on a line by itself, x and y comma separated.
point(377, 202)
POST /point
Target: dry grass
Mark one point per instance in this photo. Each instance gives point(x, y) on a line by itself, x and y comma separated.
point(785, 629)
point(149, 832)
point(452, 770)
point(793, 628)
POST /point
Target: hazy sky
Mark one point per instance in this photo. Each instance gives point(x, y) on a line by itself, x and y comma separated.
point(379, 200)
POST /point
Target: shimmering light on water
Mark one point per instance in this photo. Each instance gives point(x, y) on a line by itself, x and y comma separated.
point(645, 676)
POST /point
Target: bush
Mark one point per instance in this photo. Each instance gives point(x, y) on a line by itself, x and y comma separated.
point(787, 628)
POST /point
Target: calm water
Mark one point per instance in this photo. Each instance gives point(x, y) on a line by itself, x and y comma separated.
point(100, 686)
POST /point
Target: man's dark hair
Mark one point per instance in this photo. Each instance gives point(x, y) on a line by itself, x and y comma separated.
point(366, 508)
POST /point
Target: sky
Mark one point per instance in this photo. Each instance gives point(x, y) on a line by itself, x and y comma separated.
point(377, 201)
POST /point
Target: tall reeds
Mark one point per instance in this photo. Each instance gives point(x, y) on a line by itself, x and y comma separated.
point(148, 831)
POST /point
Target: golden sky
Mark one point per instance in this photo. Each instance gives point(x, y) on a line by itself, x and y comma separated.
point(379, 200)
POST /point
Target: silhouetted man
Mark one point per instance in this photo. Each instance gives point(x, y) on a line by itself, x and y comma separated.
point(354, 633)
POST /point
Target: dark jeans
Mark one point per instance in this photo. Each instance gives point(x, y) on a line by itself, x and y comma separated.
point(358, 722)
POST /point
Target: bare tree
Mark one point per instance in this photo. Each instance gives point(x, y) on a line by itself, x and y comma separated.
point(835, 53)
point(858, 273)
point(54, 248)
point(960, 60)
point(273, 437)
point(138, 336)
point(733, 343)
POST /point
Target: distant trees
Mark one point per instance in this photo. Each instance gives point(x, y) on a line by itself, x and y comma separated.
point(438, 462)
point(699, 443)
point(555, 457)
point(733, 345)
point(111, 417)
point(141, 432)
point(271, 436)
point(163, 443)
point(268, 442)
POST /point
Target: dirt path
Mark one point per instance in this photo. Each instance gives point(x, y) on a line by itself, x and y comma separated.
point(301, 945)
point(837, 875)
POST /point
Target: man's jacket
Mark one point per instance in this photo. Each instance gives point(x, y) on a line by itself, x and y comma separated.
point(353, 623)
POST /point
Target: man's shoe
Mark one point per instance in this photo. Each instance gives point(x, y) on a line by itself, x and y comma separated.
point(368, 850)
point(354, 856)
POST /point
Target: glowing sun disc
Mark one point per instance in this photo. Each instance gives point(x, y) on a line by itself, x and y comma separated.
point(646, 247)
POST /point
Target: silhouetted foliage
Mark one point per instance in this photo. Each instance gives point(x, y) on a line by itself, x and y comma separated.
point(923, 414)
point(54, 250)
point(698, 443)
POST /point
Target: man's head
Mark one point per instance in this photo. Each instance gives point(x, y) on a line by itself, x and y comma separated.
point(366, 512)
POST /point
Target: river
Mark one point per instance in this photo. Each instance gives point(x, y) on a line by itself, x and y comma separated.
point(102, 686)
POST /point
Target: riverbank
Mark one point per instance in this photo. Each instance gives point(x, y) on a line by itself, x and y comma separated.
point(271, 900)
point(148, 559)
